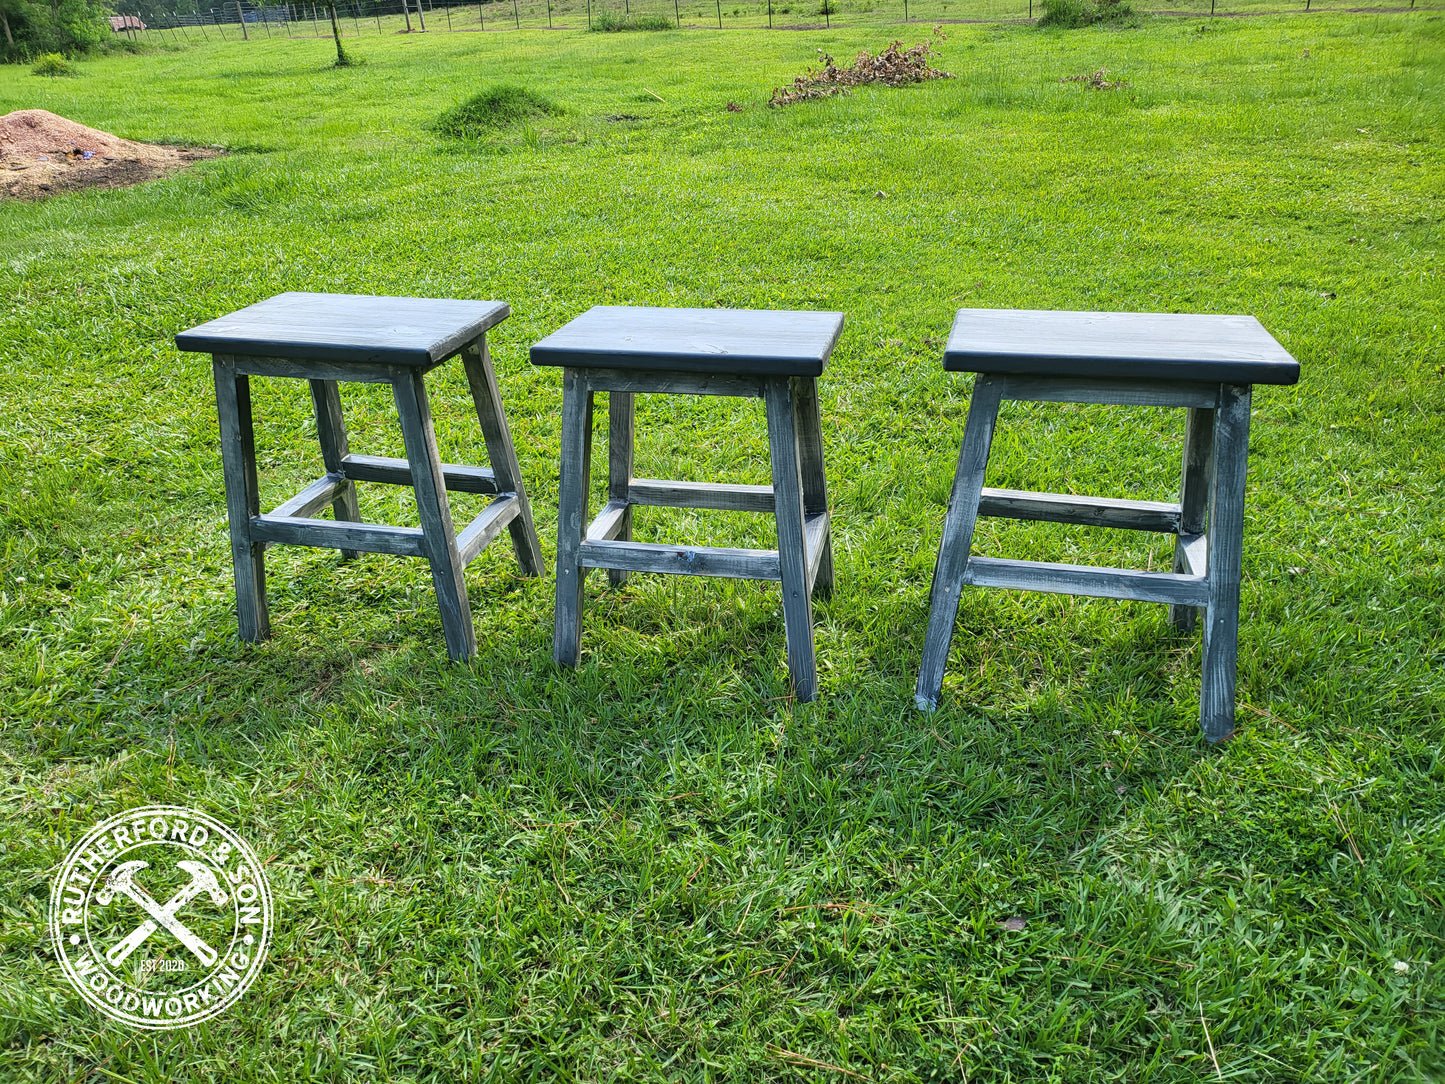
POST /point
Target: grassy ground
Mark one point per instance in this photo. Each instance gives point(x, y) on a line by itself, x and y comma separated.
point(657, 867)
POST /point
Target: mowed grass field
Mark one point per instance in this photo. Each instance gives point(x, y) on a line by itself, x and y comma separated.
point(658, 867)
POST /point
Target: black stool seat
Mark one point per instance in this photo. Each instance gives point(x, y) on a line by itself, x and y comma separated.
point(752, 342)
point(1127, 345)
point(328, 338)
point(349, 328)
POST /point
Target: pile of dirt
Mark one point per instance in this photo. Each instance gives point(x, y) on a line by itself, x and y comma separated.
point(42, 154)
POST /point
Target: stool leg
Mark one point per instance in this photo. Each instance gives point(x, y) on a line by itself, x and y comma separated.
point(1226, 546)
point(619, 466)
point(792, 553)
point(502, 453)
point(576, 469)
point(1193, 496)
point(957, 538)
point(331, 432)
point(243, 499)
point(815, 484)
point(435, 514)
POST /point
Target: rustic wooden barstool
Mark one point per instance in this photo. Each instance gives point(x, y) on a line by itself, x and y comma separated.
point(775, 356)
point(327, 338)
point(1206, 364)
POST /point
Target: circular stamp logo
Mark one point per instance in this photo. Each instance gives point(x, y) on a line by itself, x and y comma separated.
point(161, 917)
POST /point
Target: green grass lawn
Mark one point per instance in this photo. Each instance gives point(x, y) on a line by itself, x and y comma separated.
point(657, 866)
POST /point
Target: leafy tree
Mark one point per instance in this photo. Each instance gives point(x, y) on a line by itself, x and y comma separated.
point(33, 27)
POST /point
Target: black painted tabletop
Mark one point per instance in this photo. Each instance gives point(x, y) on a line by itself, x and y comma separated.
point(1142, 345)
point(768, 342)
point(348, 327)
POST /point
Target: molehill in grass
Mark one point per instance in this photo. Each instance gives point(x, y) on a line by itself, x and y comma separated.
point(498, 106)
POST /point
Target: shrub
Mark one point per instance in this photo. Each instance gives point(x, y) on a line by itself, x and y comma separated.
point(496, 107)
point(609, 22)
point(1069, 14)
point(69, 27)
point(53, 65)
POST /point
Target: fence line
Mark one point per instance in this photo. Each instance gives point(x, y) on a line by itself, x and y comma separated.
point(241, 20)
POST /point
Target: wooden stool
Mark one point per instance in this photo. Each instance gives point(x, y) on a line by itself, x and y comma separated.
point(326, 338)
point(775, 356)
point(1206, 364)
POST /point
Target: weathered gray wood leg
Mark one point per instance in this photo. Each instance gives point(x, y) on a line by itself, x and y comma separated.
point(957, 540)
point(808, 419)
point(1194, 486)
point(331, 432)
point(243, 498)
point(576, 461)
point(435, 514)
point(619, 465)
point(482, 380)
point(792, 552)
point(1226, 546)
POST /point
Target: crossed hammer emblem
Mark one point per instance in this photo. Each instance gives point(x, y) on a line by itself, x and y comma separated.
point(122, 882)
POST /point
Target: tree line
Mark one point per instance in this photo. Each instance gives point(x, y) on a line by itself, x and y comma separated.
point(29, 28)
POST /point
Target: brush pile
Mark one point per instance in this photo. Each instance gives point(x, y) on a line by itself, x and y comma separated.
point(895, 66)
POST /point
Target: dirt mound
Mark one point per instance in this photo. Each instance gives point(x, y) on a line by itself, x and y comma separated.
point(42, 154)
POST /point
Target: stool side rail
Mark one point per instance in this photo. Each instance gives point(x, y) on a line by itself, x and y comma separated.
point(1107, 391)
point(741, 564)
point(306, 369)
point(489, 523)
point(669, 382)
point(459, 478)
point(1161, 516)
point(366, 537)
point(319, 493)
point(1091, 580)
point(720, 496)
